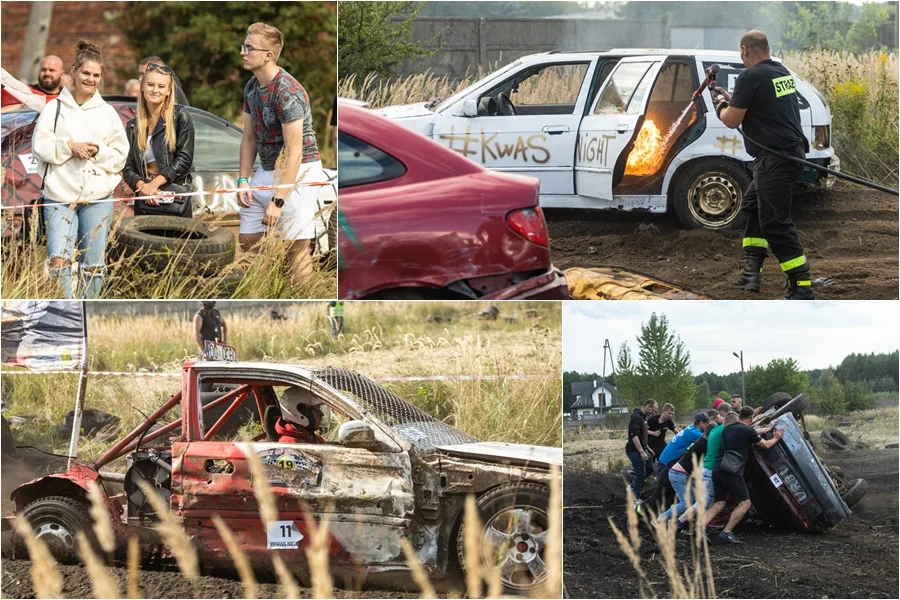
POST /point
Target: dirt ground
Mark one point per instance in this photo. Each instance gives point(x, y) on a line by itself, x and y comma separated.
point(848, 235)
point(857, 559)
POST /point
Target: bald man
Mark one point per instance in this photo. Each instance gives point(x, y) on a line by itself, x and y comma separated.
point(50, 76)
point(765, 102)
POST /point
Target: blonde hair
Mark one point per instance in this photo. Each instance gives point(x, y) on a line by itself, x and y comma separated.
point(272, 35)
point(168, 114)
point(668, 407)
point(86, 51)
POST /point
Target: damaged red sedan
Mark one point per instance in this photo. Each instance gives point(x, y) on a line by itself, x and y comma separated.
point(419, 221)
point(381, 471)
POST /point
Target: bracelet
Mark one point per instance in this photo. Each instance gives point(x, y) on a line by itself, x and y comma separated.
point(244, 179)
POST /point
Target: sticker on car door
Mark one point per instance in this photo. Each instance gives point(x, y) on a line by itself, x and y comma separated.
point(776, 480)
point(30, 162)
point(282, 535)
point(290, 467)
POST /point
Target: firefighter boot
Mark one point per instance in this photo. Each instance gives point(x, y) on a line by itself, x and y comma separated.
point(799, 284)
point(751, 276)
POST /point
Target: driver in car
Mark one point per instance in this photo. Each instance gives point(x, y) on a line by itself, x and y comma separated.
point(302, 415)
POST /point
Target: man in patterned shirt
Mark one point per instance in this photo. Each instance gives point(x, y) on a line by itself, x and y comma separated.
point(278, 127)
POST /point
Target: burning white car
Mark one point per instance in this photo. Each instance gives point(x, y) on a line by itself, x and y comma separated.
point(614, 130)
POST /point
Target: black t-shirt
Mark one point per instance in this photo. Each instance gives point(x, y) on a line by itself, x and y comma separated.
point(737, 438)
point(658, 443)
point(697, 449)
point(767, 90)
point(637, 426)
point(211, 327)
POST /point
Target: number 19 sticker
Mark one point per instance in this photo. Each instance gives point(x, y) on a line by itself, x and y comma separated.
point(282, 535)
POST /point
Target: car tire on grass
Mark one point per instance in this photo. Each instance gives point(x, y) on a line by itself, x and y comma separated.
point(56, 520)
point(835, 439)
point(855, 493)
point(514, 517)
point(708, 193)
point(196, 247)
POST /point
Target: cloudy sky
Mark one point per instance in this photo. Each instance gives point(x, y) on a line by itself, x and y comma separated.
point(815, 334)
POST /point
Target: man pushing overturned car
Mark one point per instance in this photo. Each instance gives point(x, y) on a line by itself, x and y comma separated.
point(765, 103)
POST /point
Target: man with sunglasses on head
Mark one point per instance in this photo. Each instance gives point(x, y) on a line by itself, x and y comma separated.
point(278, 127)
point(180, 98)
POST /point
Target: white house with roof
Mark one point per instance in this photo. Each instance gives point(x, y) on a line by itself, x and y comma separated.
point(594, 398)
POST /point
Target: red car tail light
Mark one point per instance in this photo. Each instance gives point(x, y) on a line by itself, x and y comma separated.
point(529, 223)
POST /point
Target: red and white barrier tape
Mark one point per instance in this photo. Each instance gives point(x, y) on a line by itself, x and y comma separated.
point(197, 193)
point(423, 378)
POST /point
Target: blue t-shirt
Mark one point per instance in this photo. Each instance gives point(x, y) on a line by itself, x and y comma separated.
point(680, 443)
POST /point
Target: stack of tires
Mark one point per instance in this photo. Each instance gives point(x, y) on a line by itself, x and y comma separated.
point(191, 249)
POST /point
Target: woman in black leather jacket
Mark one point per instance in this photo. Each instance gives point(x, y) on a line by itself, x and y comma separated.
point(162, 144)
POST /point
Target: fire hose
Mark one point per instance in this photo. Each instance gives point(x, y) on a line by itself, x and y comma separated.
point(710, 82)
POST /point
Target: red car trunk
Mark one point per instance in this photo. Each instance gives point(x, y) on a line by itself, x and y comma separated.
point(440, 222)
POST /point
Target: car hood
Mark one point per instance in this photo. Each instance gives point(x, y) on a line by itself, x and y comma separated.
point(502, 452)
point(404, 111)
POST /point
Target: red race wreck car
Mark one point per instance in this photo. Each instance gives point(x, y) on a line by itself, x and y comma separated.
point(419, 221)
point(387, 471)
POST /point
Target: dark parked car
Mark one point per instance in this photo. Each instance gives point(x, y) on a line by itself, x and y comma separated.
point(420, 221)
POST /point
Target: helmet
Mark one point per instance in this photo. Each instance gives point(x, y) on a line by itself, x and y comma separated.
point(208, 304)
point(299, 405)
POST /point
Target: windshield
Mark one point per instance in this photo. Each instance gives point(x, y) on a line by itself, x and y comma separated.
point(421, 429)
point(17, 118)
point(465, 91)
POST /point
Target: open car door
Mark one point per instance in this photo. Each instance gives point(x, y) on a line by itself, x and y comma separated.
point(363, 489)
point(609, 130)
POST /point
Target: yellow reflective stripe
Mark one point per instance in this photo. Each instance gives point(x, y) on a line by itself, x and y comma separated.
point(756, 242)
point(793, 263)
point(806, 283)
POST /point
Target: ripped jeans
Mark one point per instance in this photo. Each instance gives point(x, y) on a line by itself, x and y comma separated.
point(81, 226)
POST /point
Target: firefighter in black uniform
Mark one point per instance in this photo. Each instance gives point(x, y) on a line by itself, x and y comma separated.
point(209, 325)
point(765, 103)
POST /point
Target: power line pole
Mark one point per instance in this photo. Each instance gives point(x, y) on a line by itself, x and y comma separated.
point(36, 33)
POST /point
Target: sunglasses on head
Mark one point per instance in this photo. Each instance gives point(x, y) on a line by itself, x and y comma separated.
point(162, 68)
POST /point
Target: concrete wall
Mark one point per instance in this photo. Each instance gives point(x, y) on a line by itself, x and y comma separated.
point(468, 43)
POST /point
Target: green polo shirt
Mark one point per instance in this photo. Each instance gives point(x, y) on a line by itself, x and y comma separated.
point(712, 446)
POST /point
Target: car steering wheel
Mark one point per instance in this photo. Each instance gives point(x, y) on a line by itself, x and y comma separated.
point(506, 106)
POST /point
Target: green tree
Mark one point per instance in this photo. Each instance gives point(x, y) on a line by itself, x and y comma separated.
point(828, 25)
point(377, 36)
point(726, 396)
point(829, 394)
point(201, 41)
point(702, 395)
point(780, 375)
point(505, 10)
point(663, 371)
point(858, 396)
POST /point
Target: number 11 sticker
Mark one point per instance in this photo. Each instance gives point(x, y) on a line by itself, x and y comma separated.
point(282, 535)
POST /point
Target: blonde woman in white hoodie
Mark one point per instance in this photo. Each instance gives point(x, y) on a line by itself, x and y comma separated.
point(84, 151)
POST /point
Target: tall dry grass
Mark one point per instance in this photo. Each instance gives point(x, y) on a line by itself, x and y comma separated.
point(383, 339)
point(252, 275)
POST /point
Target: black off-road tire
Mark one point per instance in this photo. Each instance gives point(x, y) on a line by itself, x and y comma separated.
point(835, 439)
point(333, 229)
point(776, 400)
point(194, 246)
point(7, 442)
point(64, 513)
point(724, 178)
point(795, 406)
point(855, 493)
point(511, 495)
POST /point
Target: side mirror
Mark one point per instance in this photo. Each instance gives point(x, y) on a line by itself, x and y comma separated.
point(470, 107)
point(357, 434)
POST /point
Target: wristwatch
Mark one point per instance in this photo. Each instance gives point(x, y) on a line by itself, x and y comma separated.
point(278, 202)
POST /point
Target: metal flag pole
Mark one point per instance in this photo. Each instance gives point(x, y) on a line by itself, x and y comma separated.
point(82, 389)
